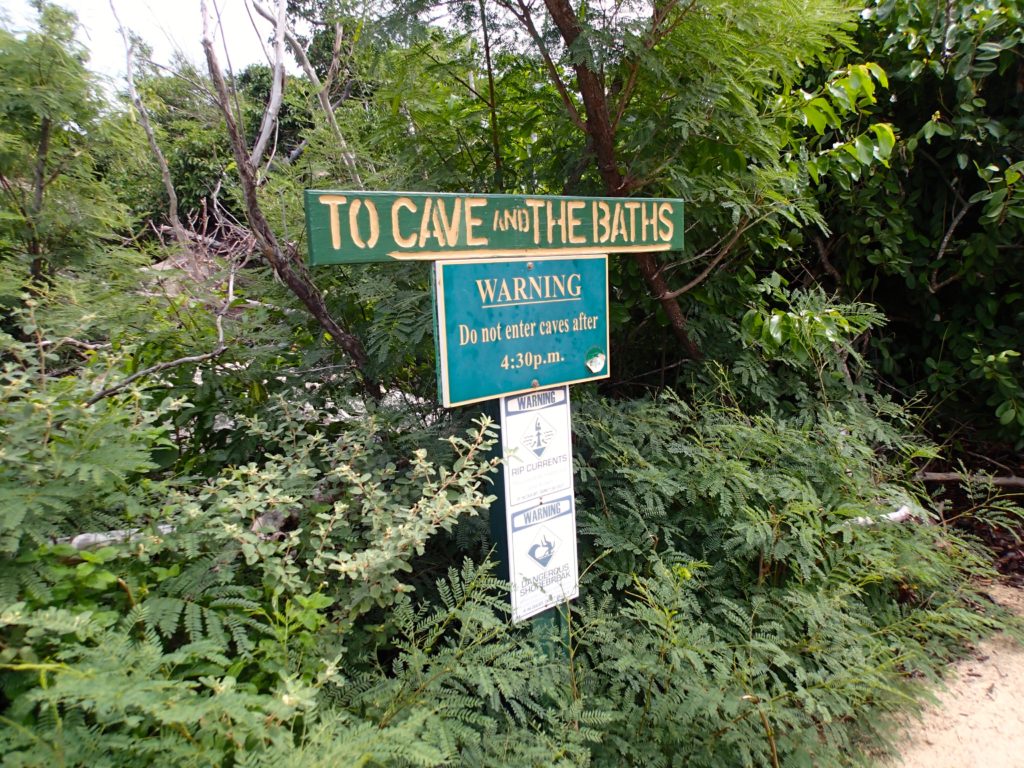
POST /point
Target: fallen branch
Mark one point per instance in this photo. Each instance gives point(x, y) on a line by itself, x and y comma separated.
point(1007, 481)
point(205, 240)
point(76, 343)
point(163, 366)
point(901, 515)
point(103, 538)
point(219, 350)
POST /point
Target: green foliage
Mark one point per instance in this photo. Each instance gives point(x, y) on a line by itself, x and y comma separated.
point(53, 209)
point(225, 594)
point(291, 600)
point(61, 455)
point(809, 329)
point(277, 571)
point(759, 613)
point(848, 94)
point(933, 238)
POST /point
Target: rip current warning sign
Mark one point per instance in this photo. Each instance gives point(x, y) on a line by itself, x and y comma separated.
point(540, 505)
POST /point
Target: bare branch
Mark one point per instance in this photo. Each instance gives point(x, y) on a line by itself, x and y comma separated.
point(335, 66)
point(216, 352)
point(1010, 481)
point(76, 343)
point(933, 285)
point(39, 172)
point(947, 51)
point(177, 230)
point(823, 253)
point(321, 92)
point(286, 264)
point(526, 19)
point(276, 89)
point(952, 228)
point(655, 35)
point(724, 251)
point(492, 103)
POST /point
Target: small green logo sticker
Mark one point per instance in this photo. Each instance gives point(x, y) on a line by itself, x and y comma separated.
point(595, 360)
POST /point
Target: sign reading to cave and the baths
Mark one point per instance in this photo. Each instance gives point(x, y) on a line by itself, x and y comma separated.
point(351, 227)
point(506, 326)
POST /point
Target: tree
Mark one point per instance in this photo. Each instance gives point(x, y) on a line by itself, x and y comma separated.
point(283, 259)
point(244, 557)
point(676, 99)
point(55, 209)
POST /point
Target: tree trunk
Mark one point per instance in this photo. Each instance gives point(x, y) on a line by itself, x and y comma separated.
point(602, 140)
point(35, 247)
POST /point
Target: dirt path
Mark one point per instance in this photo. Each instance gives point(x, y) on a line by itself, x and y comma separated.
point(979, 720)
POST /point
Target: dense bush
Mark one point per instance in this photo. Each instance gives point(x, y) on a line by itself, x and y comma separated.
point(299, 603)
point(933, 239)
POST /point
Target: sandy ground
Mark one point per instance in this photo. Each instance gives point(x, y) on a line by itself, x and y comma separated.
point(979, 719)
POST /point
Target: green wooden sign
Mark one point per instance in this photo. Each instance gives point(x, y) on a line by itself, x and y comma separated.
point(351, 227)
point(511, 325)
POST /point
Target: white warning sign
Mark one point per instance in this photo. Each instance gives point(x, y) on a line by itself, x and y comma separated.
point(538, 445)
point(540, 508)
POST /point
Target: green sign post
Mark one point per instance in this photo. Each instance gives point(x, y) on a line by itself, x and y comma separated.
point(520, 311)
point(350, 227)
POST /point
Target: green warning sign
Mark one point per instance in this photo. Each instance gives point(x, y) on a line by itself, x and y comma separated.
point(507, 326)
